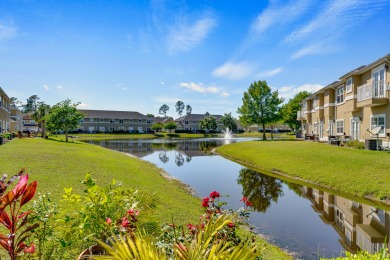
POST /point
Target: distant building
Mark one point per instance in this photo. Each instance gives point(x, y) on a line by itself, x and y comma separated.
point(191, 122)
point(4, 112)
point(116, 121)
point(29, 123)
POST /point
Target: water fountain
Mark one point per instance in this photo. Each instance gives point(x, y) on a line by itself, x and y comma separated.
point(227, 133)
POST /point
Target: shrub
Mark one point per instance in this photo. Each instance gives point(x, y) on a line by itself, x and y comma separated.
point(355, 144)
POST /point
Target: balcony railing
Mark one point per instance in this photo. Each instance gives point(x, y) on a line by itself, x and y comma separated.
point(376, 89)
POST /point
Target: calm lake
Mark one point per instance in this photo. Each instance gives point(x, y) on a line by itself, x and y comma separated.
point(306, 222)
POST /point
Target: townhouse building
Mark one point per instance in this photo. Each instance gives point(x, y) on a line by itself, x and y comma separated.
point(29, 123)
point(360, 226)
point(116, 121)
point(16, 117)
point(191, 122)
point(356, 105)
point(5, 112)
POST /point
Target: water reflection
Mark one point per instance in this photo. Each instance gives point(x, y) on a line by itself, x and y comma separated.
point(305, 221)
point(260, 189)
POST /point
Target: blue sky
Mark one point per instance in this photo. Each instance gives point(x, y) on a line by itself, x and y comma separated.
point(138, 55)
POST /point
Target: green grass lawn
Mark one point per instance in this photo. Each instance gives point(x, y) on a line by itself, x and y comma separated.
point(56, 164)
point(342, 170)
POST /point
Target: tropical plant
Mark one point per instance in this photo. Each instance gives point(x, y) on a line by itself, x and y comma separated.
point(65, 117)
point(13, 219)
point(259, 105)
point(31, 105)
point(40, 116)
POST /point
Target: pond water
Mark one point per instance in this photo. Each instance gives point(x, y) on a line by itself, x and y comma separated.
point(306, 222)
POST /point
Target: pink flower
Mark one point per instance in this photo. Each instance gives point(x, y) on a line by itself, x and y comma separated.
point(248, 203)
point(191, 227)
point(214, 195)
point(231, 224)
point(133, 212)
point(30, 249)
point(205, 202)
point(125, 222)
point(20, 188)
point(108, 221)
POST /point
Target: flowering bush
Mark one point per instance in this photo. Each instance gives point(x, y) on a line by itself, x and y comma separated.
point(13, 219)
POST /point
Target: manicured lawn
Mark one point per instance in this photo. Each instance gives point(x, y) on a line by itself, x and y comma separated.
point(56, 164)
point(345, 171)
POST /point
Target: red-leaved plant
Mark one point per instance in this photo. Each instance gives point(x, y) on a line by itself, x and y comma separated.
point(11, 216)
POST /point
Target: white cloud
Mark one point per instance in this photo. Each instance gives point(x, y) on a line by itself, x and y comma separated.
point(45, 87)
point(308, 50)
point(285, 89)
point(59, 87)
point(183, 36)
point(269, 73)
point(308, 87)
point(198, 87)
point(7, 31)
point(234, 71)
point(162, 83)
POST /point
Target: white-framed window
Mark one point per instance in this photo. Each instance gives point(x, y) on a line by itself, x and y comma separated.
point(314, 104)
point(339, 216)
point(91, 120)
point(340, 126)
point(340, 95)
point(378, 81)
point(348, 86)
point(186, 122)
point(331, 127)
point(379, 215)
point(112, 121)
point(121, 121)
point(315, 128)
point(379, 121)
point(148, 121)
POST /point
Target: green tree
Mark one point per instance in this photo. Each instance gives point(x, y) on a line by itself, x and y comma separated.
point(15, 102)
point(40, 116)
point(31, 105)
point(64, 116)
point(179, 107)
point(163, 110)
point(208, 123)
point(290, 109)
point(229, 121)
point(149, 115)
point(188, 109)
point(260, 105)
point(157, 126)
point(170, 126)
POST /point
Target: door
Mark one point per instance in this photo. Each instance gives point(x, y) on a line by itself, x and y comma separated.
point(321, 130)
point(355, 128)
point(378, 83)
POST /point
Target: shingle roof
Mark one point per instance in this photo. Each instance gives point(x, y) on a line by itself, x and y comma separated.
point(196, 117)
point(112, 114)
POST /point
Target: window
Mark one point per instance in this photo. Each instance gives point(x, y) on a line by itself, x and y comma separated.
point(340, 127)
point(340, 95)
point(121, 121)
point(378, 121)
point(186, 122)
point(148, 121)
point(314, 104)
point(339, 216)
point(112, 121)
point(315, 128)
point(348, 87)
point(331, 127)
point(91, 120)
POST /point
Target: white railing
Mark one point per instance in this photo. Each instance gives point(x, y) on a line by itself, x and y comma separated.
point(371, 90)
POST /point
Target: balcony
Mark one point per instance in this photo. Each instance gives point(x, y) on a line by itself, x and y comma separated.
point(372, 94)
point(300, 115)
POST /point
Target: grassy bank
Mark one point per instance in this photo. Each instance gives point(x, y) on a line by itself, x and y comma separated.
point(346, 171)
point(55, 165)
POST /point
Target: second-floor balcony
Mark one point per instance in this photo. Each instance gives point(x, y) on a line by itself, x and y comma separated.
point(372, 94)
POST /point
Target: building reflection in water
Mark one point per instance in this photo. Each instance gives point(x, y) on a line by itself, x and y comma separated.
point(360, 226)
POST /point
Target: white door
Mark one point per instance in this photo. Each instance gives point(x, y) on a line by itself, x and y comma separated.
point(321, 130)
point(140, 129)
point(378, 82)
point(91, 128)
point(355, 128)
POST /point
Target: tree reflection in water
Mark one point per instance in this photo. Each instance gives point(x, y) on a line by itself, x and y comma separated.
point(163, 157)
point(207, 146)
point(179, 159)
point(260, 189)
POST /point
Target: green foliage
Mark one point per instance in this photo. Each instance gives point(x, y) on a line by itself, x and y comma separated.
point(149, 115)
point(163, 110)
point(260, 105)
point(40, 116)
point(289, 110)
point(229, 121)
point(208, 123)
point(170, 126)
point(157, 126)
point(179, 107)
point(383, 254)
point(355, 144)
point(64, 116)
point(188, 109)
point(31, 105)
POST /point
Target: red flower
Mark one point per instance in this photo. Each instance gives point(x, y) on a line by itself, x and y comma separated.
point(108, 221)
point(133, 212)
point(191, 227)
point(248, 203)
point(205, 202)
point(125, 222)
point(244, 199)
point(231, 224)
point(30, 249)
point(214, 195)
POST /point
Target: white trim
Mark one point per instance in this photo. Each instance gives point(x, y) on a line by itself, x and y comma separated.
point(331, 205)
point(350, 97)
point(340, 120)
point(329, 105)
point(384, 123)
point(348, 85)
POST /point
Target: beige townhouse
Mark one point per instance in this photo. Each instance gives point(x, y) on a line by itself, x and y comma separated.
point(357, 106)
point(360, 226)
point(116, 121)
point(5, 112)
point(191, 122)
point(16, 117)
